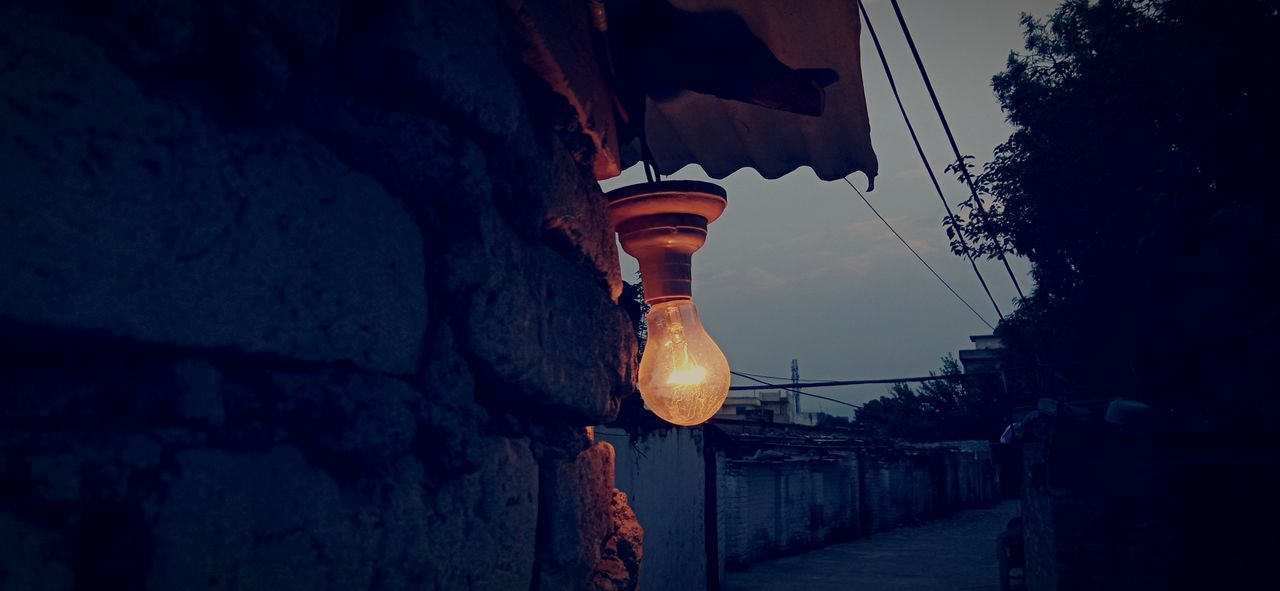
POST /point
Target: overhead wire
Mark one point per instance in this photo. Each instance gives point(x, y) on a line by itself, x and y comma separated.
point(915, 138)
point(921, 259)
point(937, 105)
point(909, 380)
point(767, 386)
point(760, 375)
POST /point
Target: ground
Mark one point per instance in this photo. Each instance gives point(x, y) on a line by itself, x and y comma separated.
point(954, 554)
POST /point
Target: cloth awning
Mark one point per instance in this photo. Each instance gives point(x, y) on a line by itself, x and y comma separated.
point(685, 127)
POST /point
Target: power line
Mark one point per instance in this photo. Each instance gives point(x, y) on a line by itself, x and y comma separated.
point(937, 105)
point(921, 259)
point(768, 386)
point(964, 244)
point(760, 375)
point(917, 379)
point(1038, 368)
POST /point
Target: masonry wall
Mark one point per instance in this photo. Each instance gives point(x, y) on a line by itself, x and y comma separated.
point(771, 507)
point(783, 502)
point(774, 499)
point(305, 297)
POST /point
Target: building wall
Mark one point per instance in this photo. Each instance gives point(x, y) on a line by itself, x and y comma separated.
point(791, 504)
point(301, 298)
point(793, 501)
point(722, 514)
point(775, 500)
point(663, 474)
point(775, 506)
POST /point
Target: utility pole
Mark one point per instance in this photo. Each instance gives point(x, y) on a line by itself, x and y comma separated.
point(795, 383)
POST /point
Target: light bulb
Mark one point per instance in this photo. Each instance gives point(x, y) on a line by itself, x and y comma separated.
point(684, 378)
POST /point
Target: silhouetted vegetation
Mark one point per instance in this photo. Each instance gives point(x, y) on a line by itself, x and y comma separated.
point(632, 301)
point(834, 422)
point(1138, 181)
point(944, 410)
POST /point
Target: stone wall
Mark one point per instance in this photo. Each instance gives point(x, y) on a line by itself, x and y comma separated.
point(304, 297)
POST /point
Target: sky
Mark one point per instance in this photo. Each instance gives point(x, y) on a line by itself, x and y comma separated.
point(800, 268)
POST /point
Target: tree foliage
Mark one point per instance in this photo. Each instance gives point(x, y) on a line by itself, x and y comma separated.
point(1139, 183)
point(632, 302)
point(943, 410)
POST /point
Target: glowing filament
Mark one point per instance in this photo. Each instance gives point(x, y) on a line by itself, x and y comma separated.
point(687, 376)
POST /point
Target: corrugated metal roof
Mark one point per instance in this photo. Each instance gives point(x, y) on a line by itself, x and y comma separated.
point(724, 135)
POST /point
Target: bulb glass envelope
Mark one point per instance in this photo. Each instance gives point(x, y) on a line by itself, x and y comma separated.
point(684, 377)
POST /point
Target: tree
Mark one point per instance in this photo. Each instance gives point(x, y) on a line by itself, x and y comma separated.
point(1138, 181)
point(942, 410)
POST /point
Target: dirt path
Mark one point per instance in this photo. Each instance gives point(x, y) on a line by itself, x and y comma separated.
point(953, 554)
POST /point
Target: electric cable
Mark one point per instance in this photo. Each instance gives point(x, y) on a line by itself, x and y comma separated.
point(768, 386)
point(916, 379)
point(921, 259)
point(937, 105)
point(964, 244)
point(760, 375)
point(1040, 367)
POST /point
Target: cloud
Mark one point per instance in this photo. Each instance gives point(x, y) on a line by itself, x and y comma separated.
point(922, 247)
point(908, 173)
point(756, 278)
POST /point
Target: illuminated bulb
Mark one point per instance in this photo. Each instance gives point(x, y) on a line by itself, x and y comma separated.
point(684, 378)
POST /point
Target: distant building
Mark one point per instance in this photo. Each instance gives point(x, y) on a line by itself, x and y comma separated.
point(768, 406)
point(765, 406)
point(984, 356)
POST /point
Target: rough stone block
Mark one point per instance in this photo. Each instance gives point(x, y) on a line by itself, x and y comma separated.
point(549, 336)
point(578, 496)
point(89, 468)
point(253, 521)
point(448, 415)
point(576, 211)
point(535, 306)
point(307, 24)
point(562, 51)
point(443, 53)
point(353, 414)
point(273, 521)
point(152, 219)
point(542, 331)
point(417, 157)
point(622, 552)
point(33, 557)
point(199, 386)
point(519, 232)
point(481, 528)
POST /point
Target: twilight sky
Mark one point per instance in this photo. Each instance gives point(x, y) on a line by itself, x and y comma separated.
point(800, 268)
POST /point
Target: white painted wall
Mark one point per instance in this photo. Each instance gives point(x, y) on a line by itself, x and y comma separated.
point(662, 473)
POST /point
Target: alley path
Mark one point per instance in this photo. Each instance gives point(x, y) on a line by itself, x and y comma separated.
point(952, 554)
